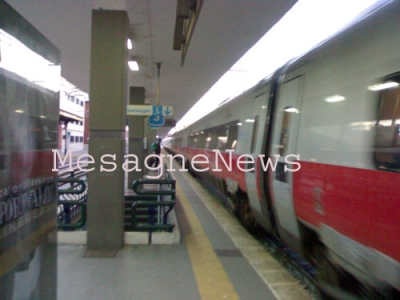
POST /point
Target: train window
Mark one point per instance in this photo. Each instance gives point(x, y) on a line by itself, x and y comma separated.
point(222, 137)
point(254, 135)
point(192, 140)
point(232, 135)
point(210, 136)
point(176, 141)
point(287, 115)
point(209, 139)
point(387, 138)
point(197, 140)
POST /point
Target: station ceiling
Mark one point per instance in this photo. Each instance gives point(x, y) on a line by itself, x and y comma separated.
point(224, 31)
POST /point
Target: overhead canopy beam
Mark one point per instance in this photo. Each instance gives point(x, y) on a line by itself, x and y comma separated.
point(187, 13)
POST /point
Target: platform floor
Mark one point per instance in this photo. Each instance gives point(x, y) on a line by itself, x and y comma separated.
point(215, 259)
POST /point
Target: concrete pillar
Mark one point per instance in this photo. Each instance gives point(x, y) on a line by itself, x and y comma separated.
point(150, 134)
point(136, 133)
point(108, 100)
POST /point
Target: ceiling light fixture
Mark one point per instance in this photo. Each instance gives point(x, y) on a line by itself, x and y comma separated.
point(187, 13)
point(335, 98)
point(383, 86)
point(291, 109)
point(129, 44)
point(133, 65)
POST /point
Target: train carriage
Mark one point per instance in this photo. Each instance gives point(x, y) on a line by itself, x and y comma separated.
point(329, 124)
point(29, 107)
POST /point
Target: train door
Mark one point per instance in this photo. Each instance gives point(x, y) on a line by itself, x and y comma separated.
point(253, 191)
point(284, 140)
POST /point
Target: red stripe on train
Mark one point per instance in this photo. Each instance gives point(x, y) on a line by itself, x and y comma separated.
point(361, 204)
point(31, 165)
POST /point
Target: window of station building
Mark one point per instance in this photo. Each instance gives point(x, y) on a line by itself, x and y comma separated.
point(387, 137)
point(71, 139)
point(81, 139)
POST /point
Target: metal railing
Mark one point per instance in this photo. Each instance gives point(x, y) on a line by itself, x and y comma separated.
point(153, 215)
point(72, 199)
point(149, 209)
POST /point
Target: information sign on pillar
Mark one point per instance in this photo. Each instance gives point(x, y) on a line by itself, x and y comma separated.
point(157, 118)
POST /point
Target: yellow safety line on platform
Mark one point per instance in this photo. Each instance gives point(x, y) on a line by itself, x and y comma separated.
point(277, 279)
point(212, 280)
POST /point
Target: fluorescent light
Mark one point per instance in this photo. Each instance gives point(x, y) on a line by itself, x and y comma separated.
point(133, 65)
point(383, 86)
point(291, 109)
point(385, 123)
point(302, 28)
point(335, 98)
point(239, 124)
point(129, 44)
point(250, 120)
point(19, 111)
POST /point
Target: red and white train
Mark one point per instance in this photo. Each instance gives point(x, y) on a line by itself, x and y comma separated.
point(337, 108)
point(29, 117)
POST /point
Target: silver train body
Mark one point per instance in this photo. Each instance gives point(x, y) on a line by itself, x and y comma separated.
point(329, 122)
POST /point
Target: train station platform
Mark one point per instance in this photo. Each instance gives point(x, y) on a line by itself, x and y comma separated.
point(214, 258)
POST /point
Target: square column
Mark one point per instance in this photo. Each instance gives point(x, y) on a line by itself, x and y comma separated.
point(108, 100)
point(136, 133)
